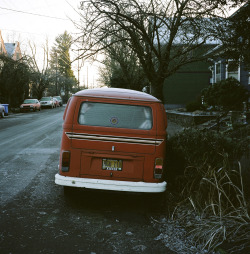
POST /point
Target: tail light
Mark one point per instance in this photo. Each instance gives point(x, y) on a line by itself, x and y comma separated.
point(65, 161)
point(158, 171)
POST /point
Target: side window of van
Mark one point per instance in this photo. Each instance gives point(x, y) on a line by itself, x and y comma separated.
point(115, 115)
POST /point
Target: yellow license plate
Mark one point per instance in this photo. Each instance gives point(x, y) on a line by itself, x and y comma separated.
point(110, 164)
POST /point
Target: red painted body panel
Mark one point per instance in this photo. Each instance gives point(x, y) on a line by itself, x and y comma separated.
point(89, 145)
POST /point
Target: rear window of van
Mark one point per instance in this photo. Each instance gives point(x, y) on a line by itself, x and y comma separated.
point(115, 115)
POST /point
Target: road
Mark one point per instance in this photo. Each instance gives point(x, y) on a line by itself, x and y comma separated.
point(36, 217)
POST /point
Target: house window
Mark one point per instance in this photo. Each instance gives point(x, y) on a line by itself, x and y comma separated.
point(218, 72)
point(233, 69)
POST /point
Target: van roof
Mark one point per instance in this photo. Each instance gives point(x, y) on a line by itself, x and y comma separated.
point(117, 93)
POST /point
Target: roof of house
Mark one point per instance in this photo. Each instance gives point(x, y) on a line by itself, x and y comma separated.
point(11, 50)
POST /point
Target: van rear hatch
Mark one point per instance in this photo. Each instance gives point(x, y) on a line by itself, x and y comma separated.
point(113, 139)
point(114, 166)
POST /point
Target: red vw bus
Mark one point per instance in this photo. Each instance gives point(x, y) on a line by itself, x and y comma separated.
point(113, 139)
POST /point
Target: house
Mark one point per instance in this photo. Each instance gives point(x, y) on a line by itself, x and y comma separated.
point(10, 49)
point(13, 50)
point(223, 68)
point(186, 84)
point(222, 65)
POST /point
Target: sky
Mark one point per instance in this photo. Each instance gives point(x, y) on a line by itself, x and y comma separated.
point(38, 20)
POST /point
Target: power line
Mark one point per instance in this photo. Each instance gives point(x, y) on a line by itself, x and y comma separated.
point(24, 32)
point(35, 14)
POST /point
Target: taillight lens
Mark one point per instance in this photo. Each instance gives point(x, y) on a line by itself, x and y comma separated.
point(158, 171)
point(65, 161)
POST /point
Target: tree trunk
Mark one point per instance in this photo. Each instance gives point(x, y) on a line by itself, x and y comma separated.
point(157, 89)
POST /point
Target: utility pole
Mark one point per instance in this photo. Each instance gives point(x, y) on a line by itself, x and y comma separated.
point(87, 77)
point(78, 71)
point(56, 73)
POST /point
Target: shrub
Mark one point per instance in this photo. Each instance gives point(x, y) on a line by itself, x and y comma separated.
point(229, 94)
point(193, 105)
point(207, 187)
point(192, 151)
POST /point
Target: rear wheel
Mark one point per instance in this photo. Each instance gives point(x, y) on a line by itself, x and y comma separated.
point(2, 114)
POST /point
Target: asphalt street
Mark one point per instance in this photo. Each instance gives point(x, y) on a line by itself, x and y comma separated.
point(36, 217)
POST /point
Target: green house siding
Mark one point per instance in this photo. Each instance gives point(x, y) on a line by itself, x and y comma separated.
point(185, 85)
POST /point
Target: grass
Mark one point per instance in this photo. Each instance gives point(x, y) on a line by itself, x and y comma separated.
point(221, 220)
point(208, 199)
point(224, 215)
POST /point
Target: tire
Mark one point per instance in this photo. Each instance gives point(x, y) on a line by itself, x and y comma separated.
point(2, 114)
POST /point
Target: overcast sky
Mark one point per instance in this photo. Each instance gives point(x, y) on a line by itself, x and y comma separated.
point(36, 20)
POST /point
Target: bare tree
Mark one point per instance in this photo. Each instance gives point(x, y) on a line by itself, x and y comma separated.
point(40, 77)
point(163, 33)
point(122, 67)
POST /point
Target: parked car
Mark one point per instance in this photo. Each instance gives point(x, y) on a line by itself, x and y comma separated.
point(47, 102)
point(59, 98)
point(1, 111)
point(56, 102)
point(30, 105)
point(113, 139)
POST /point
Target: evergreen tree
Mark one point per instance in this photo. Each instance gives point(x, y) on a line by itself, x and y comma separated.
point(237, 37)
point(14, 81)
point(61, 64)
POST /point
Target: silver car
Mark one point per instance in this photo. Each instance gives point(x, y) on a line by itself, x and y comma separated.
point(47, 102)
